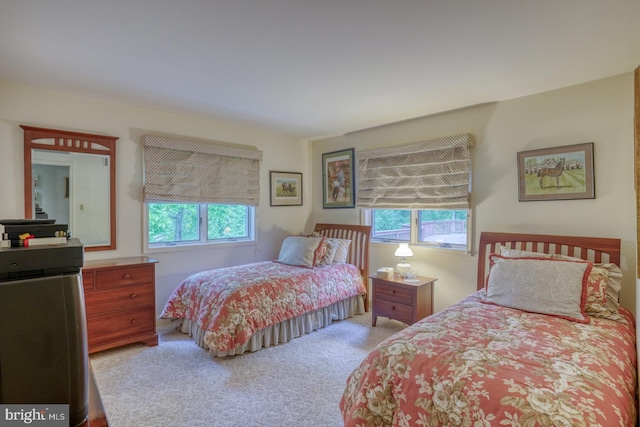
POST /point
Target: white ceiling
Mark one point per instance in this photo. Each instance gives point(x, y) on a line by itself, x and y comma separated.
point(313, 68)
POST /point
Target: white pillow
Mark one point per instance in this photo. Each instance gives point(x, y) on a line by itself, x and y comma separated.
point(546, 286)
point(300, 250)
point(342, 251)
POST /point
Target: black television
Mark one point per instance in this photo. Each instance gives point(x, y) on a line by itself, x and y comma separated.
point(43, 343)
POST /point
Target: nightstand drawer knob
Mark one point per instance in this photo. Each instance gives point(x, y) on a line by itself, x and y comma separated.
point(133, 321)
point(126, 276)
point(133, 296)
point(393, 291)
point(393, 307)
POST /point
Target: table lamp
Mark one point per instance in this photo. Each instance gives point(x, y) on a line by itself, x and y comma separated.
point(403, 252)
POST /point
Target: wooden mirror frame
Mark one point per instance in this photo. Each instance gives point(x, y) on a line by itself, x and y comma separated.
point(71, 142)
point(636, 155)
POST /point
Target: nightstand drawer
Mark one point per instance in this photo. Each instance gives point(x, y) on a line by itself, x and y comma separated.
point(393, 310)
point(396, 293)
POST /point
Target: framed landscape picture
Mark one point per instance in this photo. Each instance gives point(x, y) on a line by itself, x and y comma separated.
point(338, 185)
point(558, 173)
point(285, 188)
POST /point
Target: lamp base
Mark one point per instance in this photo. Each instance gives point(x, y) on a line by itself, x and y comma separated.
point(403, 268)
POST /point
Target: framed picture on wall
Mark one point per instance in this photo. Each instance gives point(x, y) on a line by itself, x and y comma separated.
point(338, 184)
point(285, 188)
point(558, 173)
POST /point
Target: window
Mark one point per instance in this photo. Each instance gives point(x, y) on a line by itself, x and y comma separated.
point(418, 192)
point(199, 192)
point(171, 224)
point(436, 227)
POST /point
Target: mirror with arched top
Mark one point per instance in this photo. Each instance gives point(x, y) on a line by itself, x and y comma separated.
point(70, 177)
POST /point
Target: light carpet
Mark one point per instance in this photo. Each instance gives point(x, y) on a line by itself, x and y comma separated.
point(178, 384)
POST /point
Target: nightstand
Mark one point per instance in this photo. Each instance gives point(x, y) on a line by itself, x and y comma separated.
point(406, 301)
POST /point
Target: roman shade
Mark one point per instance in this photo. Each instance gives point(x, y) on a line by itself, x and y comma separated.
point(430, 174)
point(190, 171)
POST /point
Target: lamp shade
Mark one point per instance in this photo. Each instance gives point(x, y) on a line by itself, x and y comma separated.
point(403, 250)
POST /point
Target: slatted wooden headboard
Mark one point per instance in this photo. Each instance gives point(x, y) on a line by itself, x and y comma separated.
point(596, 249)
point(359, 249)
point(359, 236)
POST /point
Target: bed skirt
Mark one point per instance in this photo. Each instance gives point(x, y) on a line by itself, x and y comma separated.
point(286, 330)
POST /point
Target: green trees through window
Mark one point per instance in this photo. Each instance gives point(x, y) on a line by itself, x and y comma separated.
point(173, 223)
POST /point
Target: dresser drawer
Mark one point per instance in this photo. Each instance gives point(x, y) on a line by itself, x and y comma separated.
point(102, 300)
point(112, 326)
point(124, 276)
point(393, 310)
point(396, 293)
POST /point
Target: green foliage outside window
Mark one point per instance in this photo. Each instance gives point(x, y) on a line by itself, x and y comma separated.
point(443, 215)
point(391, 219)
point(173, 222)
point(227, 221)
point(179, 222)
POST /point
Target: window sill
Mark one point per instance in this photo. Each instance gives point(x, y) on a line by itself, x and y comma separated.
point(455, 250)
point(197, 246)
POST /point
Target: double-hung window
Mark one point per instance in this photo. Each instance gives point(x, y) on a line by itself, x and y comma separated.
point(419, 192)
point(199, 192)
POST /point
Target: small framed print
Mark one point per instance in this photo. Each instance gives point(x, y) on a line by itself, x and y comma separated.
point(558, 173)
point(338, 185)
point(285, 188)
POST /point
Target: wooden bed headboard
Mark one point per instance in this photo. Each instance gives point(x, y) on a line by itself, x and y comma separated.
point(359, 236)
point(596, 249)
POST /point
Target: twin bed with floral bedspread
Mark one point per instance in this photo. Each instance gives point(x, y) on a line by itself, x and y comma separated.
point(543, 342)
point(317, 279)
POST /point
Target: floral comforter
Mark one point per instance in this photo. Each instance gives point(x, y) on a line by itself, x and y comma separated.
point(231, 303)
point(475, 364)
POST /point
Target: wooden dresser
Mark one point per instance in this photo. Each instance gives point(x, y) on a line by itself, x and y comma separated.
point(120, 300)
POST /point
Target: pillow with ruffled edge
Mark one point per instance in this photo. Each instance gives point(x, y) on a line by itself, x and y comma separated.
point(613, 285)
point(301, 251)
point(330, 249)
point(540, 285)
point(342, 252)
point(596, 282)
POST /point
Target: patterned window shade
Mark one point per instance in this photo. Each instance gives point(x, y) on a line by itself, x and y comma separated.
point(431, 174)
point(188, 171)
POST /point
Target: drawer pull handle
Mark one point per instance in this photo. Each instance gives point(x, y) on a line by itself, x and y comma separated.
point(133, 296)
point(393, 307)
point(133, 321)
point(393, 291)
point(126, 276)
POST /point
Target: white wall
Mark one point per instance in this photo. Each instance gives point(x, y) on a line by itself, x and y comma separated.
point(30, 106)
point(599, 112)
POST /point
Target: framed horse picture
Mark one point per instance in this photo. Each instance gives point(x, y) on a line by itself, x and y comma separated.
point(558, 173)
point(285, 188)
